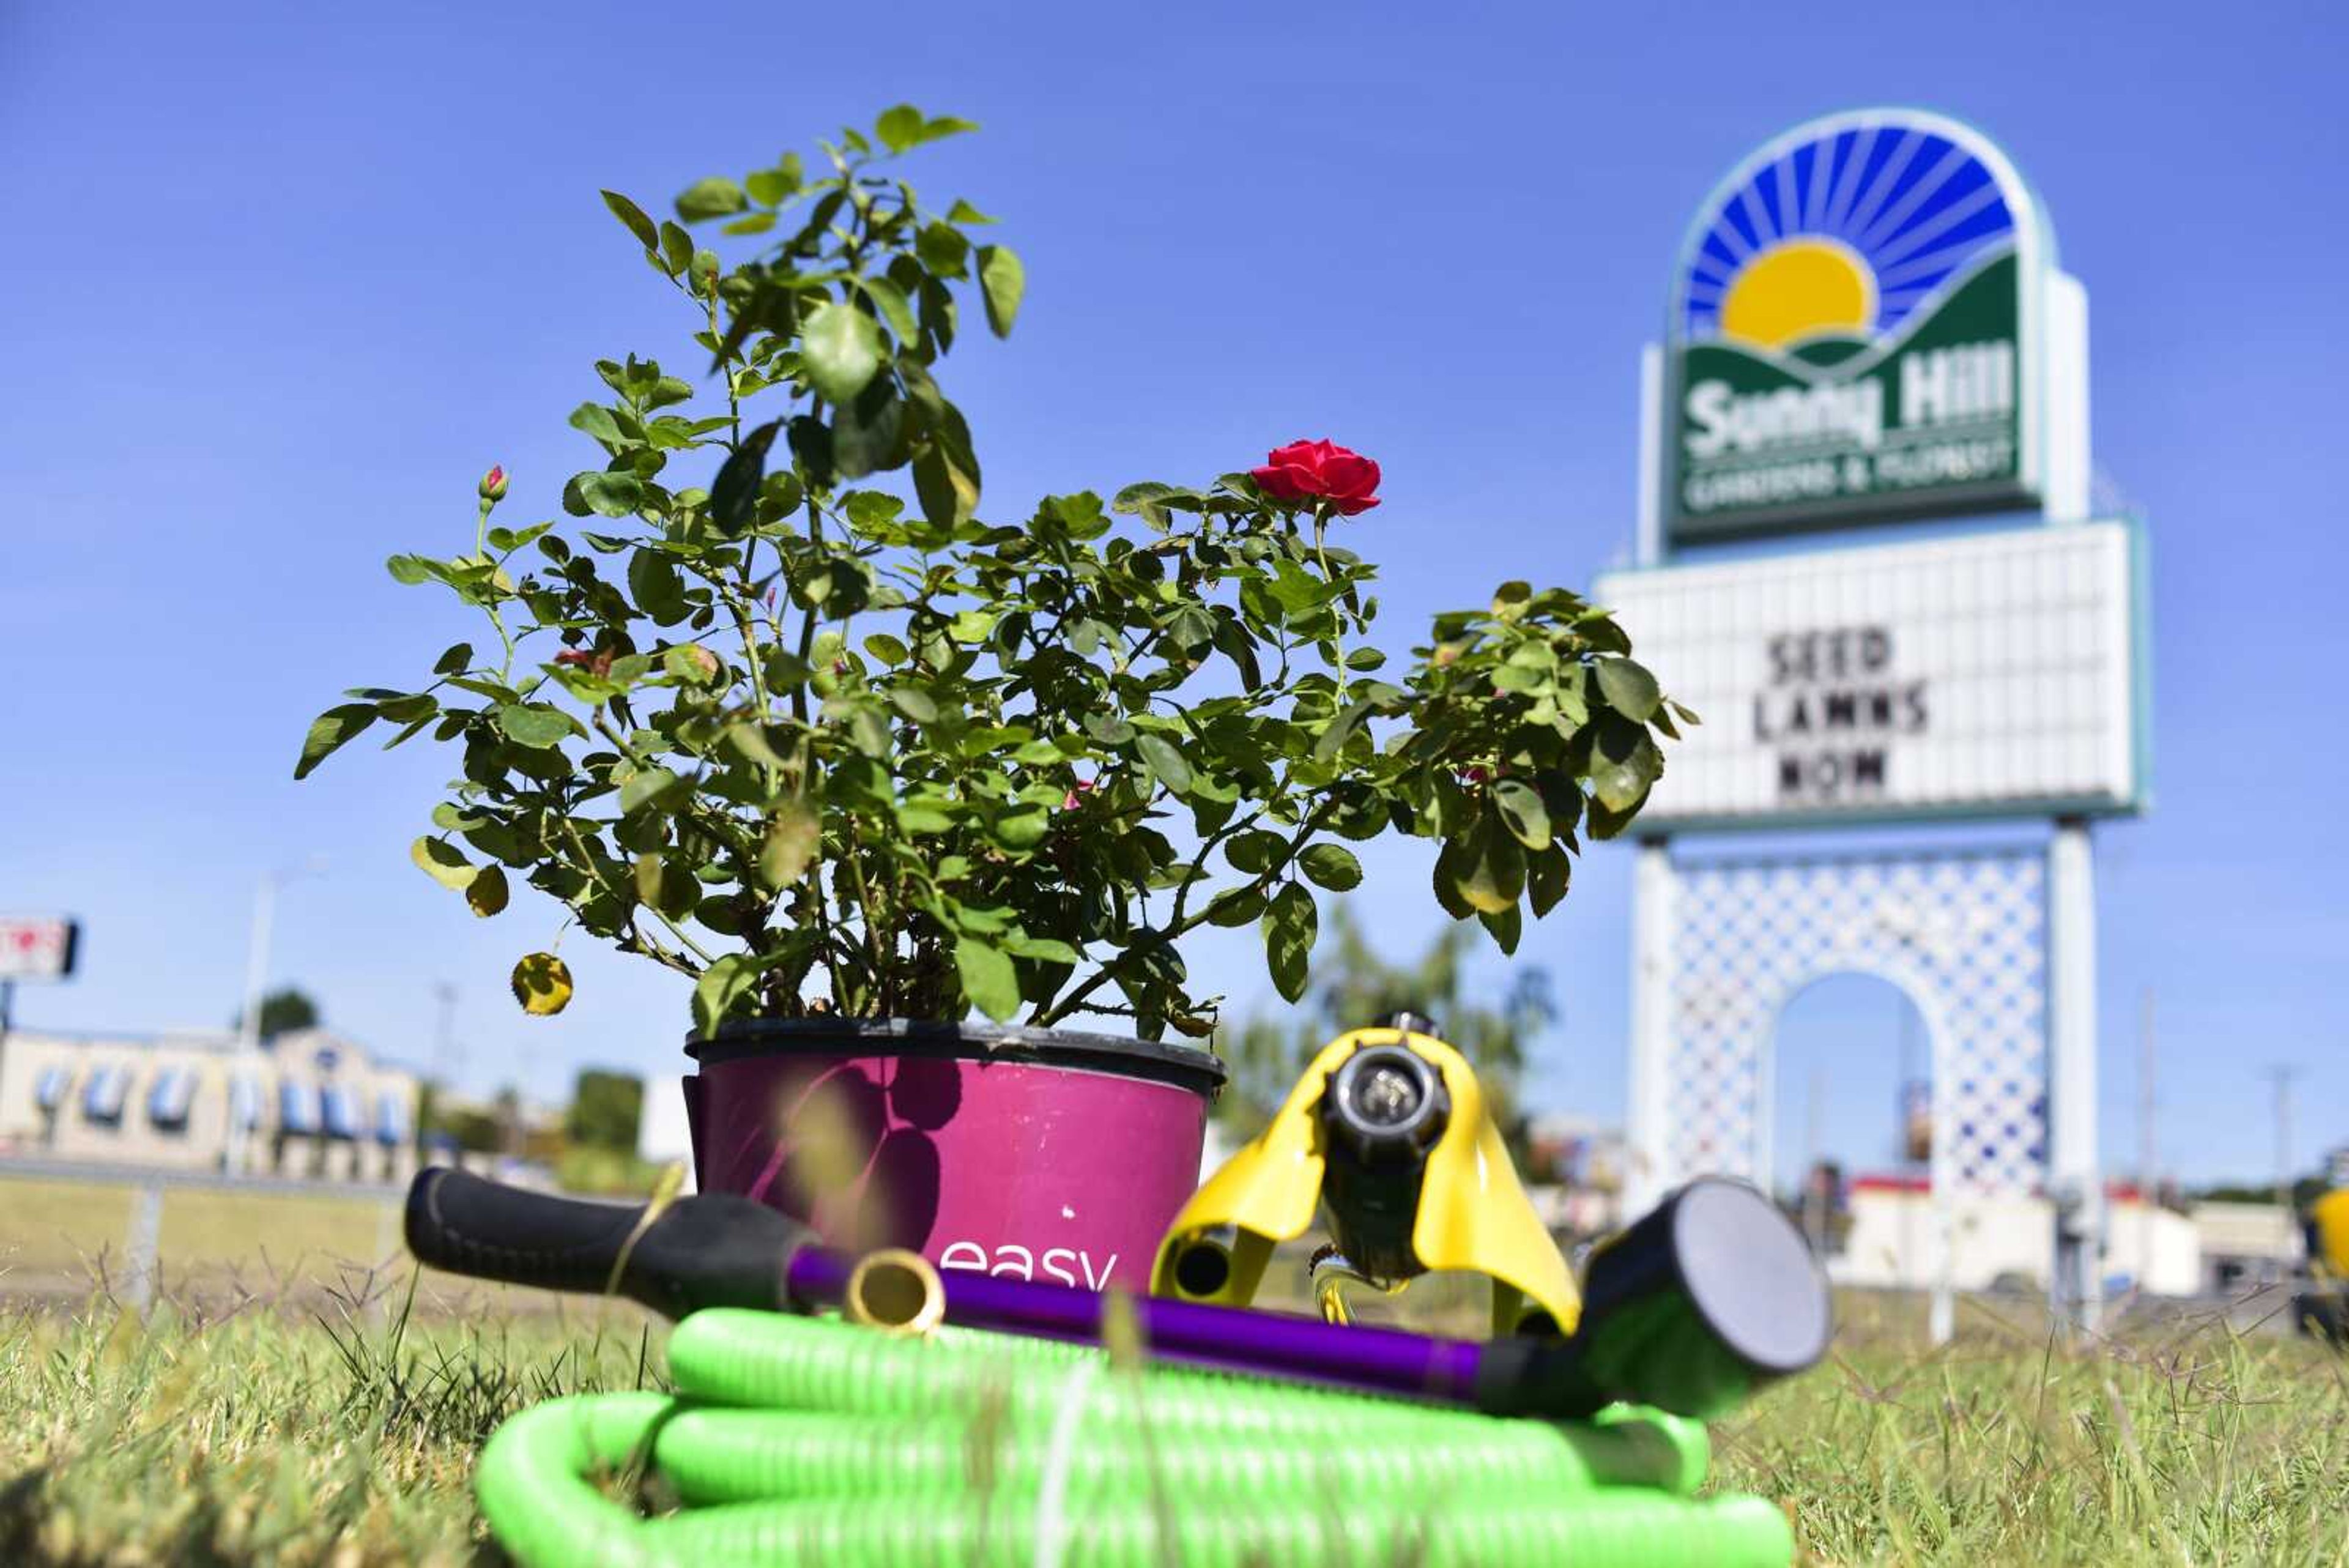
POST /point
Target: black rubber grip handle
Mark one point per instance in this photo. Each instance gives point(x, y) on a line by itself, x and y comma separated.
point(714, 1250)
point(1710, 1296)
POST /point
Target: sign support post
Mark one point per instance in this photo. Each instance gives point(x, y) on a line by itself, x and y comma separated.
point(1648, 1146)
point(2075, 1188)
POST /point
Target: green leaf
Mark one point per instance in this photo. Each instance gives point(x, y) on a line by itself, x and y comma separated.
point(486, 894)
point(1044, 949)
point(542, 983)
point(455, 660)
point(644, 786)
point(868, 728)
point(691, 662)
point(840, 348)
point(1004, 283)
point(989, 978)
point(409, 570)
point(734, 493)
point(1108, 729)
point(1332, 865)
point(900, 128)
point(533, 724)
point(1506, 927)
point(1165, 761)
point(1235, 906)
point(1450, 862)
point(634, 216)
point(1144, 499)
point(1334, 739)
point(329, 731)
point(772, 185)
point(868, 435)
point(943, 249)
point(658, 590)
point(604, 494)
point(915, 703)
point(1255, 851)
point(1509, 599)
point(949, 491)
point(1522, 812)
point(1548, 875)
point(790, 847)
point(1629, 689)
point(1490, 873)
point(712, 198)
point(1624, 763)
point(890, 300)
point(886, 648)
point(664, 883)
point(1290, 927)
point(407, 709)
point(722, 986)
point(916, 818)
point(443, 862)
point(1022, 829)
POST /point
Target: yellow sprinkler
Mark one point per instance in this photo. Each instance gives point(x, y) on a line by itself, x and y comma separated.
point(2328, 1235)
point(1387, 1133)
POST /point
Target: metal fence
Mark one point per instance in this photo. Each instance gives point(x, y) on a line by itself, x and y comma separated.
point(121, 1220)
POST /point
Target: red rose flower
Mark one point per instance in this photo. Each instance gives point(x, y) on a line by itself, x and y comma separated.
point(1320, 471)
point(494, 483)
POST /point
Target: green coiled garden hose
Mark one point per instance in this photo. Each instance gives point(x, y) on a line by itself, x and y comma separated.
point(800, 1440)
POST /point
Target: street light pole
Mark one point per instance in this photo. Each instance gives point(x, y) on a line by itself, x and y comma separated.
point(256, 978)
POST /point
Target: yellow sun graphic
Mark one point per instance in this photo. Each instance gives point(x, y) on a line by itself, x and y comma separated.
point(1798, 289)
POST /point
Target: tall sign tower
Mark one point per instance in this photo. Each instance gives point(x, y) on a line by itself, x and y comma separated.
point(1868, 330)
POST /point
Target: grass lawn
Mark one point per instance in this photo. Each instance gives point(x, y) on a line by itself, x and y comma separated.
point(263, 1439)
point(2173, 1444)
point(347, 1439)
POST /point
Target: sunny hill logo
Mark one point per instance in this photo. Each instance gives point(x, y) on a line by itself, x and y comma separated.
point(1847, 329)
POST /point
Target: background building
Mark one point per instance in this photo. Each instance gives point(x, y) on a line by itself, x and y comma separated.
point(311, 1105)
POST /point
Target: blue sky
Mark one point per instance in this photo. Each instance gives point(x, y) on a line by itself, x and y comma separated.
point(282, 280)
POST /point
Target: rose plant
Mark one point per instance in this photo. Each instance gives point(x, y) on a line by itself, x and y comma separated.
point(827, 745)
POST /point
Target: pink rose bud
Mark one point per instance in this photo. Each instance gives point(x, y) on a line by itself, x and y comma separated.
point(494, 483)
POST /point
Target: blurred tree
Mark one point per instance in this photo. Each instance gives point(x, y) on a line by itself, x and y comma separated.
point(476, 1131)
point(2306, 1191)
point(281, 1010)
point(605, 1109)
point(1354, 987)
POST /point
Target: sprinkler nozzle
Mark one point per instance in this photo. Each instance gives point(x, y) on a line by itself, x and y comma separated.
point(1388, 1103)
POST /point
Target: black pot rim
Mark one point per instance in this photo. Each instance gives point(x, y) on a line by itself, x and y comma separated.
point(1186, 1066)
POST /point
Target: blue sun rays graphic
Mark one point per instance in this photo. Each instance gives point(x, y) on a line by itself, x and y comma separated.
point(1844, 233)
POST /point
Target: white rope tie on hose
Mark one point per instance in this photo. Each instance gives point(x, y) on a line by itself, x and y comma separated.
point(1052, 1493)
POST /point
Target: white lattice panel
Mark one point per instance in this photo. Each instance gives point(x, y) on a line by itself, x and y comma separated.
point(1964, 935)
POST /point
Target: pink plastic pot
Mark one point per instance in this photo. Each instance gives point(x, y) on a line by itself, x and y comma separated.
point(1030, 1153)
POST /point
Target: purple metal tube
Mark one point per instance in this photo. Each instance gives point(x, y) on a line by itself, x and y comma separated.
point(1371, 1360)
